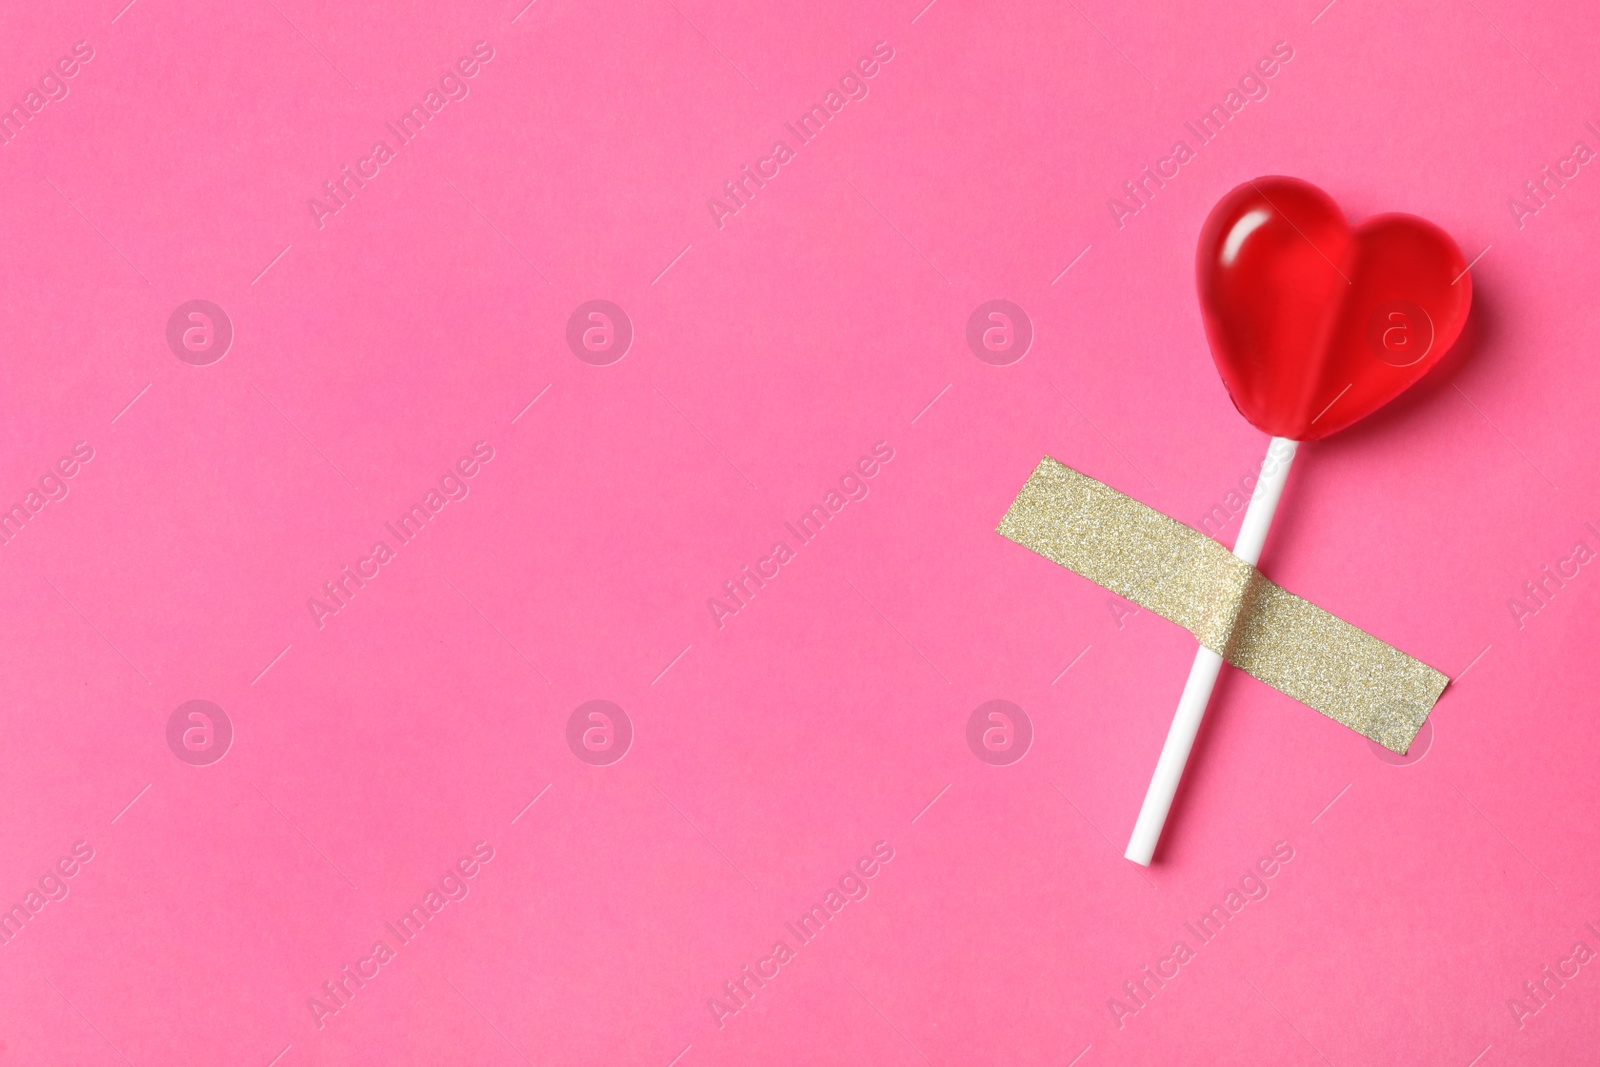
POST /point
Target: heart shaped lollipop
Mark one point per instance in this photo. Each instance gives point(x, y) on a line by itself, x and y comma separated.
point(1314, 324)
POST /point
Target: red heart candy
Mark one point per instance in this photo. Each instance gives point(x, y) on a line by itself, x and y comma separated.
point(1313, 324)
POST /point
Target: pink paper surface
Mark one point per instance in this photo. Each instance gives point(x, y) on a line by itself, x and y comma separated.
point(785, 339)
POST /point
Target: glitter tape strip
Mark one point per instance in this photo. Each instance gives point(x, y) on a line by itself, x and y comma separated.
point(1184, 576)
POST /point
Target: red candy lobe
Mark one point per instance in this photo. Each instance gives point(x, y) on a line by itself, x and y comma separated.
point(1314, 324)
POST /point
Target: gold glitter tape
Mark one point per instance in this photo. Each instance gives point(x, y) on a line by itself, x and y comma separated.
point(1184, 576)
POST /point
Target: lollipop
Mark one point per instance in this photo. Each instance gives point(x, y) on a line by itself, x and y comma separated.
point(1314, 324)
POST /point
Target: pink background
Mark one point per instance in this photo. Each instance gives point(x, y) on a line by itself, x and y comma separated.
point(830, 713)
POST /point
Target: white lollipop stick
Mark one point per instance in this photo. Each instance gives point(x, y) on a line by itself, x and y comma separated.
point(1203, 675)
